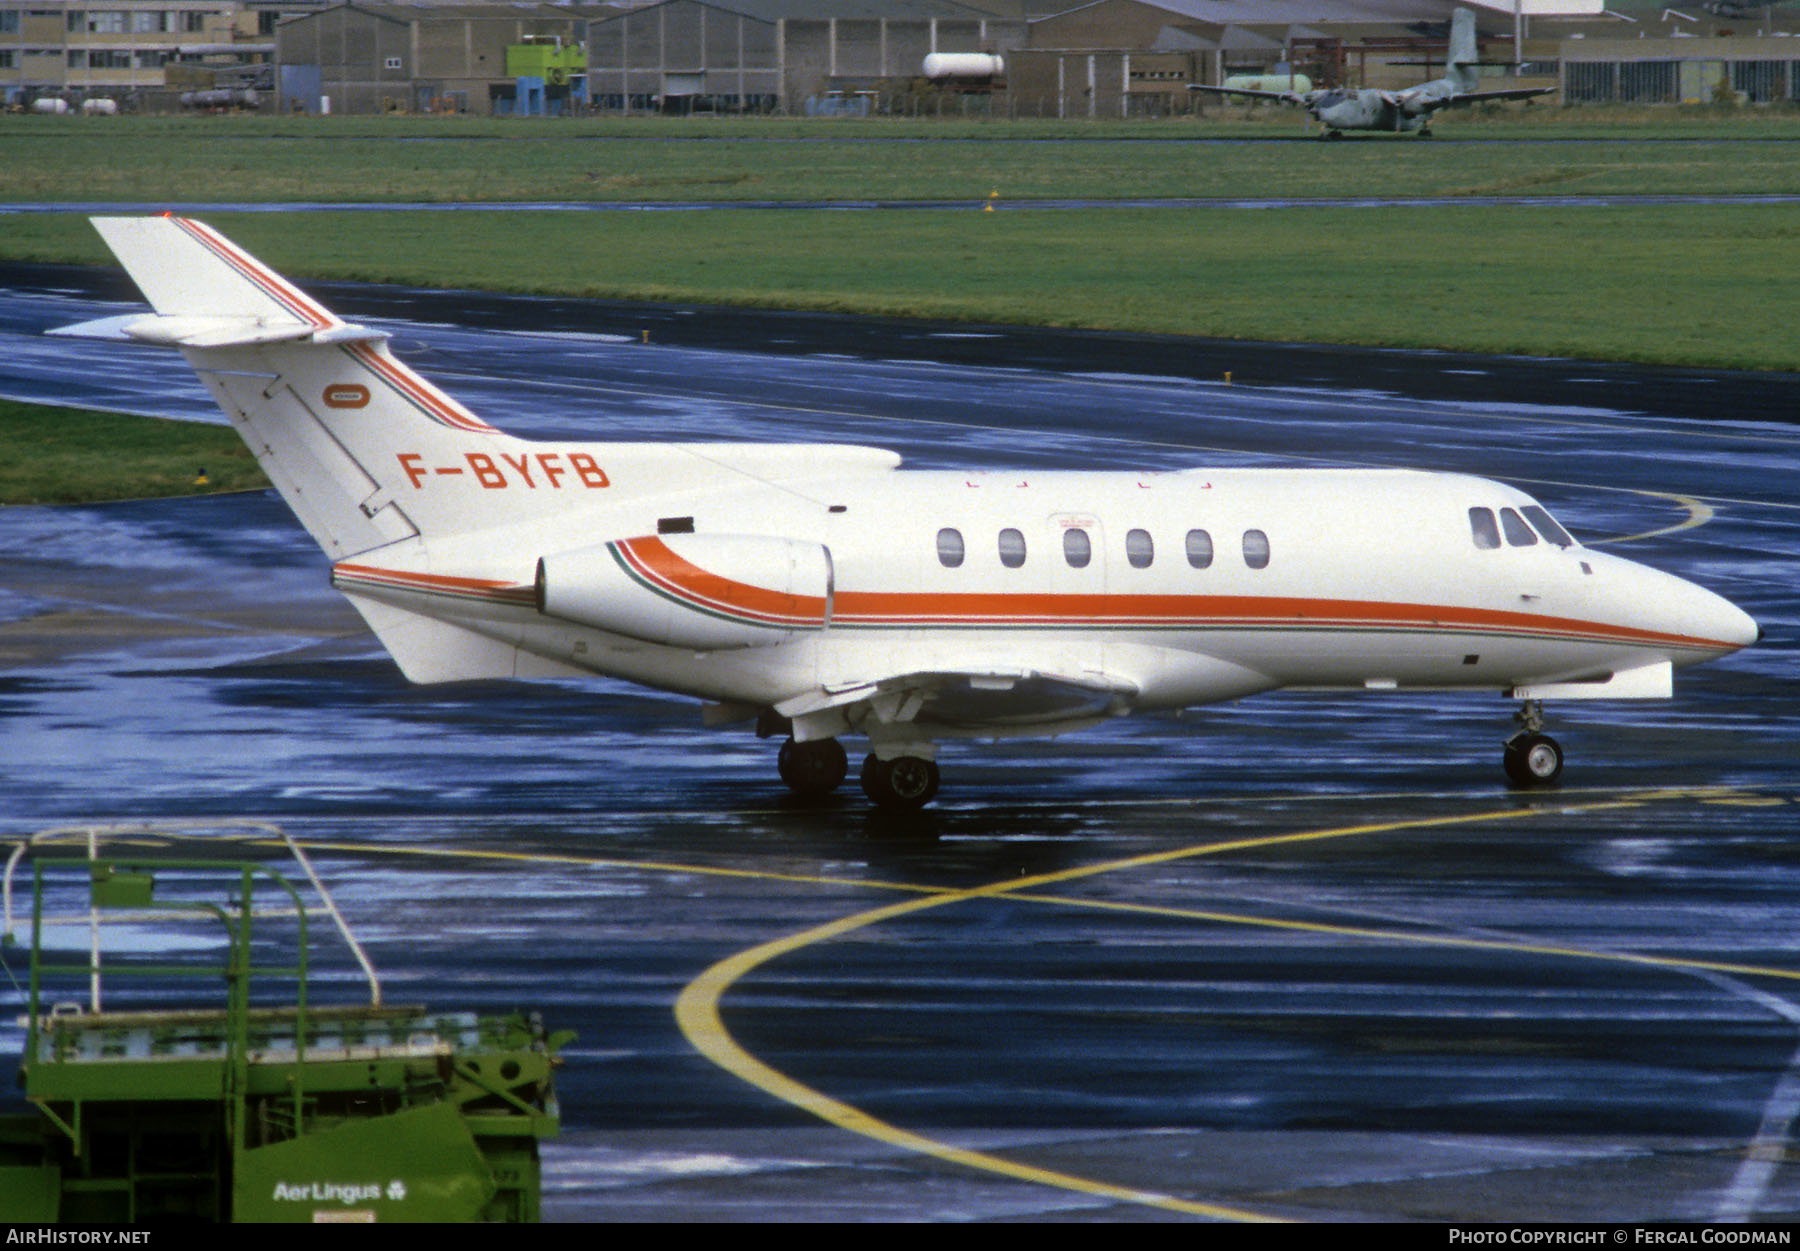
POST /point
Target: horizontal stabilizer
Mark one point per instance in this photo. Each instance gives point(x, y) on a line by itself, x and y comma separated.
point(213, 332)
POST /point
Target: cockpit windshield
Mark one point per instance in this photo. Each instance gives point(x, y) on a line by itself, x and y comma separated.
point(1546, 525)
point(1520, 531)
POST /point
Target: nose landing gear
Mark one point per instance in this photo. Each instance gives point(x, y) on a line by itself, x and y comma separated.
point(1533, 759)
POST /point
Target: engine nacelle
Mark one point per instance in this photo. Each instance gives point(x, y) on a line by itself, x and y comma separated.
point(699, 591)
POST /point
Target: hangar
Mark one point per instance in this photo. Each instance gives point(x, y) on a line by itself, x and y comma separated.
point(842, 56)
point(413, 58)
point(1008, 58)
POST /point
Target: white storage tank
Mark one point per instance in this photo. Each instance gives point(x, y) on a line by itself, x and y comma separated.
point(964, 65)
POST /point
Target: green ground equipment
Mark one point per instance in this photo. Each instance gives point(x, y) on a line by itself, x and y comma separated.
point(261, 1105)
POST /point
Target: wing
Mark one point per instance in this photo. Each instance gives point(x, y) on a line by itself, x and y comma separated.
point(1475, 97)
point(1286, 97)
point(979, 698)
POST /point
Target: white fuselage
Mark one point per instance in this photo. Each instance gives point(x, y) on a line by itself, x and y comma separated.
point(1158, 590)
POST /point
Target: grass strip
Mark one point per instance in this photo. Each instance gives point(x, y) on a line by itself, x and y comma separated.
point(78, 456)
point(156, 161)
point(1700, 285)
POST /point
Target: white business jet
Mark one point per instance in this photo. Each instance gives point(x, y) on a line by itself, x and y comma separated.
point(819, 591)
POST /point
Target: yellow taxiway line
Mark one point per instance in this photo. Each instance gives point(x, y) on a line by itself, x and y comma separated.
point(697, 1010)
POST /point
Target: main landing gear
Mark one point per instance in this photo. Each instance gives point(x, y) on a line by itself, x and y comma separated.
point(903, 784)
point(813, 768)
point(818, 767)
point(1532, 757)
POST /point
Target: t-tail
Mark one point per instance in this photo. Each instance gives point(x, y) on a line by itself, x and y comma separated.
point(365, 451)
point(338, 424)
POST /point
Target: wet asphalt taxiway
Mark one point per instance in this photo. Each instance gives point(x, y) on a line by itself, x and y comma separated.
point(1302, 957)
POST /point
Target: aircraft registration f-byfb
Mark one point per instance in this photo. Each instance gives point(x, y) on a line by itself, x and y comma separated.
point(821, 591)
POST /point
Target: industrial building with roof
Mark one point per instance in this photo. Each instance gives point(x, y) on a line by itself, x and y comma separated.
point(410, 58)
point(67, 51)
point(1016, 58)
point(761, 55)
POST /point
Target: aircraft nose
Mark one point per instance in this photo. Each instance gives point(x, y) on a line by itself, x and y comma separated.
point(1702, 622)
point(1716, 620)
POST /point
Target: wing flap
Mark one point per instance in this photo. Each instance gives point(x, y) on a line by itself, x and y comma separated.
point(991, 696)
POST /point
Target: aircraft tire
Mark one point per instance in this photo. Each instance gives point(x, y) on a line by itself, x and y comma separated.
point(813, 768)
point(903, 784)
point(1533, 760)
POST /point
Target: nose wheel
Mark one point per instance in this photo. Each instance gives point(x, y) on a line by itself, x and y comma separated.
point(1532, 758)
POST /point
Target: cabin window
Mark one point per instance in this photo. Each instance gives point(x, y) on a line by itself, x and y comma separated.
point(1012, 548)
point(1485, 529)
point(1546, 526)
point(950, 547)
point(1078, 549)
point(1517, 532)
point(1139, 549)
point(1256, 549)
point(1199, 549)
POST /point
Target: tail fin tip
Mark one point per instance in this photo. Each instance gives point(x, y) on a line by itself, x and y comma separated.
point(185, 268)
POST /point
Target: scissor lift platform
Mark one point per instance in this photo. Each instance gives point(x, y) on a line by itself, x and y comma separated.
point(291, 1112)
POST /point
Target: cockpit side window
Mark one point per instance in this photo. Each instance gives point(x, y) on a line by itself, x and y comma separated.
point(1484, 528)
point(1546, 526)
point(1518, 534)
point(949, 547)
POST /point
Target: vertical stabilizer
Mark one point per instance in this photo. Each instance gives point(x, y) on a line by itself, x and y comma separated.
point(1463, 54)
point(338, 424)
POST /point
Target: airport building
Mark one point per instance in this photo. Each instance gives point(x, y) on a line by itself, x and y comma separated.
point(1009, 58)
point(817, 56)
point(1120, 58)
point(442, 58)
point(125, 52)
